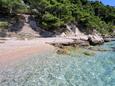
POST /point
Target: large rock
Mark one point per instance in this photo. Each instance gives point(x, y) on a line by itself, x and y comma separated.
point(95, 39)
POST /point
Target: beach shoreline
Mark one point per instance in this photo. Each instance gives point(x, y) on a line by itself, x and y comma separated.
point(13, 50)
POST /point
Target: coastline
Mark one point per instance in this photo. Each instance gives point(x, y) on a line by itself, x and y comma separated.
point(12, 49)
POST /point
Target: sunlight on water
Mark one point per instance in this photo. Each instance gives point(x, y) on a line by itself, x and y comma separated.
point(62, 70)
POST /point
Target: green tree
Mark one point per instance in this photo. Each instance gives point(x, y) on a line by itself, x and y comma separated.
point(91, 14)
point(10, 4)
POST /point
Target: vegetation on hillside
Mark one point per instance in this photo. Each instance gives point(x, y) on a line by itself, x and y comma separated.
point(55, 13)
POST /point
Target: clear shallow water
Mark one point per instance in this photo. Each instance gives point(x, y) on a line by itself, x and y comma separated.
point(62, 70)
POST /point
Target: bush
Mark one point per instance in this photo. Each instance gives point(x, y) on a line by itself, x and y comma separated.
point(113, 27)
point(54, 13)
point(51, 21)
point(3, 25)
point(23, 9)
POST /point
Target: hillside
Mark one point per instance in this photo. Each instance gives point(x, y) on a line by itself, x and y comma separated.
point(54, 15)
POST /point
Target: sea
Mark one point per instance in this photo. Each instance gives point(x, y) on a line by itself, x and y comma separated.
point(81, 67)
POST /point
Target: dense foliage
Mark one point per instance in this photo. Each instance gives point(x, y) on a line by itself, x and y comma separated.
point(89, 14)
point(10, 5)
point(13, 6)
point(55, 13)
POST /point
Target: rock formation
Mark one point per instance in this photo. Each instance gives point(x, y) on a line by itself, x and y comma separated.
point(95, 39)
point(76, 35)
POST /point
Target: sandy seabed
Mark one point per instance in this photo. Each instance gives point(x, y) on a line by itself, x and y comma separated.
point(12, 49)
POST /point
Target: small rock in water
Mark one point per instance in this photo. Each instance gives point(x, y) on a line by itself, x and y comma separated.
point(95, 39)
point(62, 51)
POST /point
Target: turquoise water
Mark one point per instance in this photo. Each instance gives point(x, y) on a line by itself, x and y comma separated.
point(62, 70)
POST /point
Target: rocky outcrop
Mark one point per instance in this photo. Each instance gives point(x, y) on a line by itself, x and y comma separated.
point(95, 39)
point(79, 38)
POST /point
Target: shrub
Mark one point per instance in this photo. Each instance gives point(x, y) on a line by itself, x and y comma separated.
point(3, 25)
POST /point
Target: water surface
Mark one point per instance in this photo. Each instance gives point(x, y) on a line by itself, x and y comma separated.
point(75, 69)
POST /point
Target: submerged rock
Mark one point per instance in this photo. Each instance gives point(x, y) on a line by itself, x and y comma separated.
point(62, 51)
point(98, 49)
point(88, 53)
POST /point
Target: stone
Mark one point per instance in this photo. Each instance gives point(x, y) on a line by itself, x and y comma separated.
point(95, 39)
point(62, 51)
point(63, 35)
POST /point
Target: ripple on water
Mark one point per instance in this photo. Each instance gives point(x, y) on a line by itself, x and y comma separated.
point(62, 70)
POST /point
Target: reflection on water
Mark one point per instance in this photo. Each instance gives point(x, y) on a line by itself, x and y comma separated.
point(62, 70)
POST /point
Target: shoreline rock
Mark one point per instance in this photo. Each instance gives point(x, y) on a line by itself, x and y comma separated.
point(95, 39)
